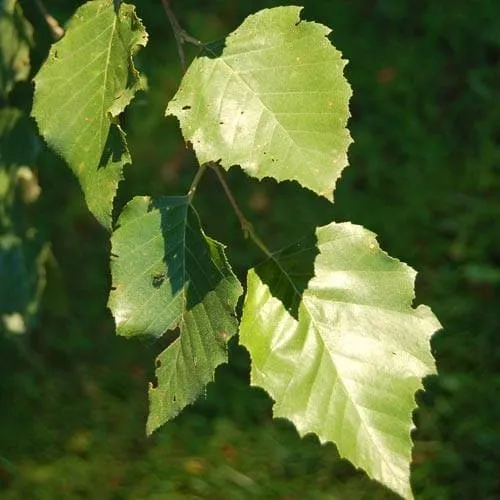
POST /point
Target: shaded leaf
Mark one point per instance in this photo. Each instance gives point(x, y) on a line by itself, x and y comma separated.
point(22, 252)
point(22, 281)
point(16, 35)
point(19, 147)
point(18, 143)
point(86, 82)
point(275, 102)
point(348, 367)
point(168, 274)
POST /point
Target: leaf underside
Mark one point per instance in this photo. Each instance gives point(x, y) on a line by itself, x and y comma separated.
point(274, 102)
point(343, 355)
point(86, 82)
point(16, 36)
point(167, 274)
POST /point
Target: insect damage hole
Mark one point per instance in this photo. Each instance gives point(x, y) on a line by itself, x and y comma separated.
point(158, 278)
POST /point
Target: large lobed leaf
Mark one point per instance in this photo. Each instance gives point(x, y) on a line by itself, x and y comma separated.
point(340, 349)
point(16, 36)
point(86, 82)
point(275, 102)
point(167, 274)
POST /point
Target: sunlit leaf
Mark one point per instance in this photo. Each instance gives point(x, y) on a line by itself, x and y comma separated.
point(167, 274)
point(343, 355)
point(275, 102)
point(86, 82)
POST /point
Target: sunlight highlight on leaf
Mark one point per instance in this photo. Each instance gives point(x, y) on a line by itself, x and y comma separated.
point(348, 365)
point(86, 82)
point(274, 102)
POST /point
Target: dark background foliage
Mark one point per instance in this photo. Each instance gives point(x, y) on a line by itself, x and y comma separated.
point(425, 177)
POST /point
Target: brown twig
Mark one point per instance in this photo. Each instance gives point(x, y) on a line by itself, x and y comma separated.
point(181, 37)
point(246, 225)
point(55, 28)
point(196, 181)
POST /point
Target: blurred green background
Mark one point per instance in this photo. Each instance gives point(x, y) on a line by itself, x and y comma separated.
point(424, 175)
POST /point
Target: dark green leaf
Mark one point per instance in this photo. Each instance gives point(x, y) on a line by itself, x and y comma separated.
point(15, 40)
point(22, 281)
point(167, 274)
point(22, 252)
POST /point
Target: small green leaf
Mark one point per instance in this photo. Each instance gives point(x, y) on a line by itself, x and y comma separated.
point(167, 274)
point(16, 35)
point(275, 102)
point(86, 82)
point(346, 366)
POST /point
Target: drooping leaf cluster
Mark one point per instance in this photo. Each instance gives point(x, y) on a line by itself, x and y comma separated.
point(328, 322)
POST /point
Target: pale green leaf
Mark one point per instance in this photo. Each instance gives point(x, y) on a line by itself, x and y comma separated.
point(275, 102)
point(16, 36)
point(167, 274)
point(87, 80)
point(340, 348)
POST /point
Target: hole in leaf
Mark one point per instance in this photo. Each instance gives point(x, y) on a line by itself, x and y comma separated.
point(157, 279)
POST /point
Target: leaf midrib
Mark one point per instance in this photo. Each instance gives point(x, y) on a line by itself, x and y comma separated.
point(374, 438)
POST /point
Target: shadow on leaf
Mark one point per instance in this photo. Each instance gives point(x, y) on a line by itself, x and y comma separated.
point(194, 263)
point(289, 271)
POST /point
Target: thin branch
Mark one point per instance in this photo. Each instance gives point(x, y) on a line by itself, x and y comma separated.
point(55, 28)
point(246, 225)
point(196, 181)
point(181, 37)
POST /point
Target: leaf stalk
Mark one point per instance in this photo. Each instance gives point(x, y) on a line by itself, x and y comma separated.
point(55, 28)
point(196, 181)
point(181, 36)
point(246, 225)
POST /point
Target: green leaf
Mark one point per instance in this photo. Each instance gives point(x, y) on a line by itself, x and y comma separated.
point(22, 281)
point(86, 82)
point(18, 142)
point(16, 36)
point(167, 274)
point(23, 252)
point(274, 102)
point(19, 147)
point(346, 362)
